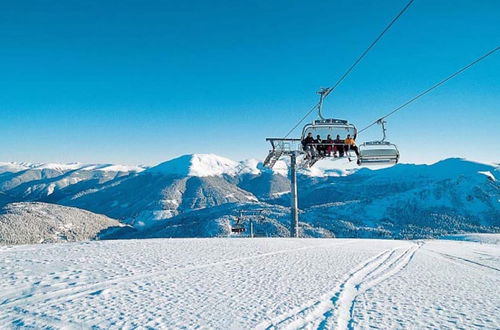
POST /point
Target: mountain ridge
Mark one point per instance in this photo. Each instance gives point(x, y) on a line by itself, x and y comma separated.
point(451, 195)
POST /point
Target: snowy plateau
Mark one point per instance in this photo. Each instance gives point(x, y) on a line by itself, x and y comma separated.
point(259, 283)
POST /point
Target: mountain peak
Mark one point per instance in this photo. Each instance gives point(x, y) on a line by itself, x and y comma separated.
point(200, 165)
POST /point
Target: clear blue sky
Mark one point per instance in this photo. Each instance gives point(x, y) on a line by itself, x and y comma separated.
point(143, 81)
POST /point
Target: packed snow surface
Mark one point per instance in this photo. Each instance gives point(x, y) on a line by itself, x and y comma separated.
point(251, 283)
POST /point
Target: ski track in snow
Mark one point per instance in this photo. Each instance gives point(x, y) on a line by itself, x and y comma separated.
point(336, 309)
point(460, 259)
point(250, 283)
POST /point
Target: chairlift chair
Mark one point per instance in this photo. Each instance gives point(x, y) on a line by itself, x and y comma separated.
point(324, 127)
point(242, 217)
point(327, 126)
point(238, 226)
point(378, 152)
point(238, 229)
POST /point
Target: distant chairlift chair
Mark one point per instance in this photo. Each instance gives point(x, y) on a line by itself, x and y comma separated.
point(238, 227)
point(378, 152)
point(247, 215)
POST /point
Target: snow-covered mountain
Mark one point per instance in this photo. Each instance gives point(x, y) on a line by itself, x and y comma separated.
point(407, 200)
point(29, 223)
point(50, 182)
point(200, 195)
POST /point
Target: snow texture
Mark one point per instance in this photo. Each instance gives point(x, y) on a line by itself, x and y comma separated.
point(251, 283)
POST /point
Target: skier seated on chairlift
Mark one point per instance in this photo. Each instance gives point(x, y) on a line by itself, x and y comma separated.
point(338, 146)
point(307, 143)
point(319, 145)
point(350, 144)
point(329, 147)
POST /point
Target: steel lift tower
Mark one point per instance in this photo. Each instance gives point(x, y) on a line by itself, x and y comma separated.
point(283, 147)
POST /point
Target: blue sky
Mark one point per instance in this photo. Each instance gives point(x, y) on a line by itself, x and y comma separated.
point(144, 81)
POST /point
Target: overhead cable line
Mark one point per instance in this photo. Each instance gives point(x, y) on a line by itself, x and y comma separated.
point(431, 88)
point(330, 89)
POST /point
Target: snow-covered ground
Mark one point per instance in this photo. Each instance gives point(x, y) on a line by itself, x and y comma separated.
point(251, 283)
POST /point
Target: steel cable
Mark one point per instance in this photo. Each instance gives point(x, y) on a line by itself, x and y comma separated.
point(330, 89)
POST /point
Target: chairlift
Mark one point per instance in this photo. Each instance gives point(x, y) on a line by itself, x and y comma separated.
point(238, 226)
point(324, 127)
point(332, 127)
point(243, 216)
point(378, 152)
point(238, 229)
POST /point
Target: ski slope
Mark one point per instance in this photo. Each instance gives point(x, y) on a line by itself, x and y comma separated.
point(251, 283)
